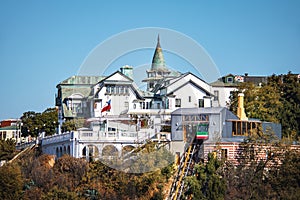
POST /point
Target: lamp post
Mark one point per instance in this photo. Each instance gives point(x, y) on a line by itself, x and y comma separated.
point(55, 129)
point(37, 133)
point(43, 131)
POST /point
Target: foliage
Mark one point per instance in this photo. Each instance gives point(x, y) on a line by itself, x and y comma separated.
point(73, 124)
point(7, 149)
point(264, 170)
point(69, 172)
point(11, 182)
point(35, 123)
point(71, 178)
point(285, 180)
point(208, 182)
point(57, 194)
point(277, 101)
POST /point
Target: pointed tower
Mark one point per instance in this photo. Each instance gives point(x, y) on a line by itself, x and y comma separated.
point(158, 61)
point(158, 68)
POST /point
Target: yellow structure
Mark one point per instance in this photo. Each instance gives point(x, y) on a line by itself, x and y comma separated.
point(241, 110)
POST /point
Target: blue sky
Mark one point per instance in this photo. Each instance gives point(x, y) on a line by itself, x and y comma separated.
point(45, 42)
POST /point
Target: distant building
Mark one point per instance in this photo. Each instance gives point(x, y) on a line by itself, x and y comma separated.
point(223, 87)
point(10, 129)
point(9, 122)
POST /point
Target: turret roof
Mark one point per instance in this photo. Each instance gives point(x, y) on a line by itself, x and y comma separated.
point(158, 61)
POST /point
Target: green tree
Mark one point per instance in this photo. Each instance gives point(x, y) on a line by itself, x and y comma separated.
point(285, 180)
point(7, 149)
point(260, 102)
point(29, 120)
point(35, 123)
point(277, 101)
point(208, 182)
point(73, 124)
point(49, 119)
point(290, 114)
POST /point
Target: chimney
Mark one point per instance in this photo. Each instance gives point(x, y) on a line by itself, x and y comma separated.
point(127, 70)
point(241, 110)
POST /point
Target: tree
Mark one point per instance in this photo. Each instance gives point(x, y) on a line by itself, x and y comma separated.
point(69, 172)
point(260, 102)
point(49, 118)
point(11, 181)
point(73, 124)
point(277, 101)
point(290, 115)
point(7, 149)
point(286, 180)
point(35, 123)
point(208, 182)
point(259, 159)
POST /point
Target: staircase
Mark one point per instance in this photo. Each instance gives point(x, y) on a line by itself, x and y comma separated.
point(26, 150)
point(185, 168)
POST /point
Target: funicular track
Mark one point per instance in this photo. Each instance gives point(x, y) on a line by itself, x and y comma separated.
point(185, 168)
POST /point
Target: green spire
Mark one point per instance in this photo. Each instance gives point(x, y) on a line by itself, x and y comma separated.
point(158, 61)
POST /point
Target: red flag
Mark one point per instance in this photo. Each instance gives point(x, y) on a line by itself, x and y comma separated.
point(107, 107)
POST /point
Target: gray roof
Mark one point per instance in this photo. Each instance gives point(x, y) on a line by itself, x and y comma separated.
point(189, 111)
point(88, 80)
point(7, 128)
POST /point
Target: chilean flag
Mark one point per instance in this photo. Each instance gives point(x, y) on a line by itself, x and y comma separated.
point(107, 107)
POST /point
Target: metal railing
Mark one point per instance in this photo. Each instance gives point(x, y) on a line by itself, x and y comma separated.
point(185, 167)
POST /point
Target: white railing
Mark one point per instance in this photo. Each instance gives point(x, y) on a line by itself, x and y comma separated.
point(110, 136)
point(87, 135)
point(57, 138)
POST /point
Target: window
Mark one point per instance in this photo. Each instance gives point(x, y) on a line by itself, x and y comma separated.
point(224, 154)
point(201, 103)
point(151, 85)
point(126, 90)
point(216, 95)
point(177, 102)
point(74, 105)
point(167, 104)
point(190, 98)
point(126, 104)
point(108, 89)
point(229, 80)
point(121, 90)
point(158, 105)
point(112, 90)
point(242, 128)
point(134, 106)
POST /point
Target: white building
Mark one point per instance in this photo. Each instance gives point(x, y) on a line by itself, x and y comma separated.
point(132, 114)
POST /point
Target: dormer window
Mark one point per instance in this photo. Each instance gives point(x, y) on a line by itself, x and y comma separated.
point(230, 79)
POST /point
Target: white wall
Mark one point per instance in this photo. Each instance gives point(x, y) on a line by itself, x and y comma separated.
point(187, 91)
point(224, 94)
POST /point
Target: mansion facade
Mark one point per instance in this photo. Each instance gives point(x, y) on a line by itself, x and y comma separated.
point(167, 90)
point(121, 116)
